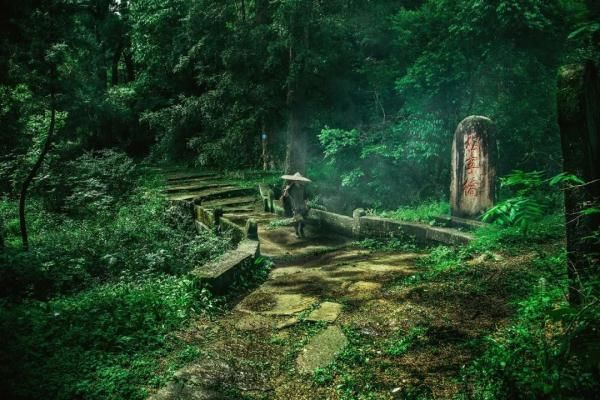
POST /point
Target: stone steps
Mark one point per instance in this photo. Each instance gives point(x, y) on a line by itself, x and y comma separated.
point(212, 194)
point(194, 187)
point(230, 202)
point(235, 191)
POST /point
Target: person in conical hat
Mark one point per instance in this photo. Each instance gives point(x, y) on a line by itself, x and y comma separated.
point(293, 200)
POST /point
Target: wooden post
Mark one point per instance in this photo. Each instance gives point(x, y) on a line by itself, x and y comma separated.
point(578, 101)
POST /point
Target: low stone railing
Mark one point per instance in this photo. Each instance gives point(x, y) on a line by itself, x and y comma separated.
point(362, 226)
point(220, 274)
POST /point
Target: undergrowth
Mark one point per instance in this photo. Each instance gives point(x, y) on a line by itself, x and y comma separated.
point(424, 212)
point(548, 350)
point(93, 309)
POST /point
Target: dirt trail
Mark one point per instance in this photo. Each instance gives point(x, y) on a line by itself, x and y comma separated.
point(334, 310)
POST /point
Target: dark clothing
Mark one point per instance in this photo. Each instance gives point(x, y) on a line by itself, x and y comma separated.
point(296, 194)
point(294, 204)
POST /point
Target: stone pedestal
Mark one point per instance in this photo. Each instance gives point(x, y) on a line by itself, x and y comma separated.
point(356, 215)
point(251, 229)
point(473, 186)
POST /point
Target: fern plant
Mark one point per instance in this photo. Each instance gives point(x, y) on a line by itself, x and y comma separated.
point(530, 202)
point(517, 211)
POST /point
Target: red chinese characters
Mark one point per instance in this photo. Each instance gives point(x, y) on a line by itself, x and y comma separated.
point(472, 182)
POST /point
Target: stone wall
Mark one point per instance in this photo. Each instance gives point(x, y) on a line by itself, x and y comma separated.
point(220, 274)
point(223, 272)
point(361, 226)
point(334, 222)
point(205, 219)
point(382, 228)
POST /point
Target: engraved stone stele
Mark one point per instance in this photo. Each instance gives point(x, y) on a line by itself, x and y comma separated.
point(473, 185)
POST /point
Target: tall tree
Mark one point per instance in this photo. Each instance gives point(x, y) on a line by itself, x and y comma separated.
point(579, 120)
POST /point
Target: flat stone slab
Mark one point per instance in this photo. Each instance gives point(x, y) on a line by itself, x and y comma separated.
point(193, 187)
point(211, 193)
point(201, 193)
point(254, 322)
point(321, 350)
point(327, 312)
point(364, 286)
point(288, 322)
point(276, 304)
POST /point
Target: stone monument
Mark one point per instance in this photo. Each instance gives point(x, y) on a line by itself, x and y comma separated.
point(473, 185)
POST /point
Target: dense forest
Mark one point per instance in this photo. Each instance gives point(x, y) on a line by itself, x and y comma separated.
point(100, 100)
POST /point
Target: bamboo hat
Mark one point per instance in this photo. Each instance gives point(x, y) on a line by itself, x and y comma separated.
point(296, 177)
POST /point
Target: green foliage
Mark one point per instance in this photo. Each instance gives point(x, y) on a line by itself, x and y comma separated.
point(406, 243)
point(143, 235)
point(549, 351)
point(97, 344)
point(518, 211)
point(531, 201)
point(89, 310)
point(424, 212)
point(94, 182)
point(406, 341)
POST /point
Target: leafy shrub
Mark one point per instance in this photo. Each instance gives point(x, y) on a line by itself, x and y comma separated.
point(396, 163)
point(144, 234)
point(97, 344)
point(550, 351)
point(98, 179)
point(531, 201)
point(93, 182)
point(407, 340)
point(404, 243)
point(89, 310)
point(424, 212)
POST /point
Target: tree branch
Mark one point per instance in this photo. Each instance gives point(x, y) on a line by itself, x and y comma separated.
point(34, 171)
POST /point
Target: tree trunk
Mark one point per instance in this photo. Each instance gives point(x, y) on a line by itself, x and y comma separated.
point(129, 65)
point(115, 63)
point(1, 234)
point(262, 12)
point(579, 120)
point(295, 156)
point(33, 172)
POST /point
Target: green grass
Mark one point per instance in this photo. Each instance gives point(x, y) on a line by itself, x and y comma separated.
point(406, 340)
point(424, 212)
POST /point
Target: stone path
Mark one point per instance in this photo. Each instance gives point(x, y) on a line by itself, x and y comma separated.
point(271, 342)
point(239, 204)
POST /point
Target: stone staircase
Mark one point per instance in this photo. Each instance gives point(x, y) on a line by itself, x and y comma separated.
point(212, 192)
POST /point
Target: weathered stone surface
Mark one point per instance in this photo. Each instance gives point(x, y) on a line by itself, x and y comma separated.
point(473, 185)
point(287, 323)
point(356, 216)
point(276, 304)
point(197, 382)
point(209, 193)
point(221, 273)
point(254, 322)
point(230, 202)
point(337, 223)
point(194, 187)
point(251, 229)
point(457, 222)
point(327, 312)
point(321, 350)
point(364, 286)
point(378, 227)
point(267, 195)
